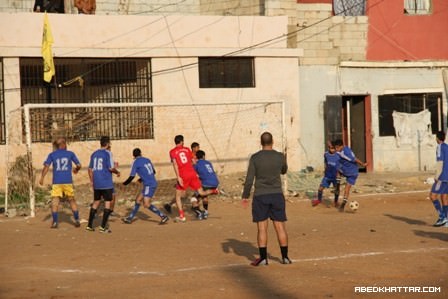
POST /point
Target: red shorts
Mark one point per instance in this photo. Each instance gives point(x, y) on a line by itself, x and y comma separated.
point(189, 181)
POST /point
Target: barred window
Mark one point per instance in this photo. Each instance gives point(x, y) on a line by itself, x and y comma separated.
point(226, 72)
point(417, 7)
point(89, 81)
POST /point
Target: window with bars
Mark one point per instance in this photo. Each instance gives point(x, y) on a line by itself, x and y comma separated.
point(409, 103)
point(2, 107)
point(226, 72)
point(417, 7)
point(89, 81)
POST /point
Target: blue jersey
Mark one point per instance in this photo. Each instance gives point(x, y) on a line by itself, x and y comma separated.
point(206, 173)
point(442, 156)
point(348, 165)
point(331, 165)
point(100, 163)
point(145, 170)
point(62, 160)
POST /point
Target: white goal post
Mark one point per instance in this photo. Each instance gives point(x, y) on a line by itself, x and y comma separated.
point(227, 131)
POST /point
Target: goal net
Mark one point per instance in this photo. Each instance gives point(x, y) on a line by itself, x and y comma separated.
point(227, 132)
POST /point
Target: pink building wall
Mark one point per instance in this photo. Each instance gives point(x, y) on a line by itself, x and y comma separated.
point(393, 35)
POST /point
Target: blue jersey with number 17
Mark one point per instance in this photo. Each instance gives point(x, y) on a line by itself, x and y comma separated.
point(100, 163)
point(442, 156)
point(145, 170)
point(62, 160)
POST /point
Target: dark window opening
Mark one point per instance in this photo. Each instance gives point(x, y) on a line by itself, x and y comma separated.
point(409, 103)
point(226, 72)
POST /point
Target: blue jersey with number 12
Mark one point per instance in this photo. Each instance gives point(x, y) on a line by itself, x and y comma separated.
point(145, 170)
point(100, 163)
point(62, 160)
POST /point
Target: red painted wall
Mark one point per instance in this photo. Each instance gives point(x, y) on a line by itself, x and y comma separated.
point(392, 35)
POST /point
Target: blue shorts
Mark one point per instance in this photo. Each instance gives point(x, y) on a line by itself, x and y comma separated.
point(327, 182)
point(148, 191)
point(269, 206)
point(351, 179)
point(440, 187)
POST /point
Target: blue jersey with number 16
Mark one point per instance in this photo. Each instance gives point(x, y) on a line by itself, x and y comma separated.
point(62, 160)
point(145, 170)
point(100, 163)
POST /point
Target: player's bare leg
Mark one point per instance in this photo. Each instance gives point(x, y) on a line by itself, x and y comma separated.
point(54, 211)
point(262, 241)
point(282, 237)
point(346, 195)
point(179, 195)
point(74, 207)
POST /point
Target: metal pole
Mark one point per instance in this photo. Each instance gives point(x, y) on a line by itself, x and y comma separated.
point(30, 160)
point(419, 151)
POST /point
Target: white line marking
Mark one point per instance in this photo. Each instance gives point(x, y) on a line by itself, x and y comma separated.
point(214, 267)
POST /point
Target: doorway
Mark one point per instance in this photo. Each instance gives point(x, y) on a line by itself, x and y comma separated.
point(348, 117)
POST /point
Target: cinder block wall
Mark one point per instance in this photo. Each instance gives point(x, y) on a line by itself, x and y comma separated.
point(328, 39)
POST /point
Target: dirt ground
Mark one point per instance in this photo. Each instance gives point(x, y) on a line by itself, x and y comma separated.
point(388, 242)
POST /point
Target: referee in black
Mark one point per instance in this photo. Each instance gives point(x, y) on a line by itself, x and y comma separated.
point(265, 168)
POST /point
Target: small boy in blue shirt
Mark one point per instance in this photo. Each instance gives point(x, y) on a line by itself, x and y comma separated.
point(331, 175)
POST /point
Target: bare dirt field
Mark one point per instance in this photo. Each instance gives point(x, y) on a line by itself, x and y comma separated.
point(388, 242)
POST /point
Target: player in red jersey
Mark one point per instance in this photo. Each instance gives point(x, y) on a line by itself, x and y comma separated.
point(181, 157)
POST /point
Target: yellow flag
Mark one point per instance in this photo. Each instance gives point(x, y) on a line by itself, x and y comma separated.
point(47, 53)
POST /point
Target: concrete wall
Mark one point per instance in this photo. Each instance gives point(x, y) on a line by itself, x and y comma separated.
point(319, 81)
point(170, 42)
point(328, 39)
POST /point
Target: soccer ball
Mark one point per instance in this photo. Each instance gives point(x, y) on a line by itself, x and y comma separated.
point(354, 205)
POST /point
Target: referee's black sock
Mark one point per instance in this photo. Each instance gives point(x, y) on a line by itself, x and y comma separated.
point(284, 251)
point(91, 217)
point(263, 252)
point(105, 217)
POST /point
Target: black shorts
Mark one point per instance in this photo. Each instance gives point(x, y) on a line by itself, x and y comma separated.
point(269, 206)
point(106, 194)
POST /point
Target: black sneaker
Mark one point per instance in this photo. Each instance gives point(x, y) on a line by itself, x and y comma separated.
point(54, 225)
point(286, 261)
point(260, 261)
point(167, 207)
point(77, 223)
point(164, 220)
